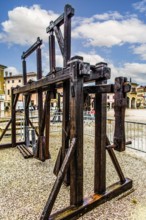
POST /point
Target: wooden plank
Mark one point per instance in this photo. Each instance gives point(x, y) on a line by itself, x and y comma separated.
point(100, 71)
point(47, 125)
point(76, 129)
point(59, 180)
point(32, 48)
point(13, 115)
point(100, 143)
point(99, 89)
point(119, 109)
point(67, 35)
point(40, 94)
point(24, 70)
point(115, 161)
point(60, 20)
point(65, 125)
point(60, 39)
point(52, 58)
point(26, 153)
point(92, 202)
point(105, 89)
point(8, 145)
point(59, 77)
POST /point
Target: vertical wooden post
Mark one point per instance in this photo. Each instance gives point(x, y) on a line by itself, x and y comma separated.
point(24, 72)
point(52, 52)
point(100, 143)
point(47, 121)
point(48, 96)
point(119, 109)
point(67, 35)
point(40, 97)
point(13, 115)
point(66, 87)
point(24, 69)
point(76, 130)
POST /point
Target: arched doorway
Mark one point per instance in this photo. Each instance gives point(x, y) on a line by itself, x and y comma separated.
point(128, 102)
point(133, 103)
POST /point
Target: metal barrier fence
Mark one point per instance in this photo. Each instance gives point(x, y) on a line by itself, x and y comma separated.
point(135, 132)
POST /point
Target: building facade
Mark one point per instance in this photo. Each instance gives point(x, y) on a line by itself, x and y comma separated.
point(17, 80)
point(2, 93)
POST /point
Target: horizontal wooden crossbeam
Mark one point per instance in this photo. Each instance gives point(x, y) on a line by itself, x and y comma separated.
point(105, 89)
point(92, 202)
point(8, 145)
point(60, 20)
point(32, 48)
point(44, 82)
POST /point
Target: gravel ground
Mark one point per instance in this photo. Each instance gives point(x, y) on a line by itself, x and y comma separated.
point(25, 185)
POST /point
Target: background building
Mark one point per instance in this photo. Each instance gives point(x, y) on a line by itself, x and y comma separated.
point(17, 80)
point(2, 93)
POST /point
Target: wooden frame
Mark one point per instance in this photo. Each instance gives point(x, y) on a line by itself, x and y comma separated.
point(69, 164)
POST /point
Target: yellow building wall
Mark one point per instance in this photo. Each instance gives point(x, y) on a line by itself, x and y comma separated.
point(2, 79)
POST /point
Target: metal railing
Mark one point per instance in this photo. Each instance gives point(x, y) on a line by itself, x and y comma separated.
point(135, 132)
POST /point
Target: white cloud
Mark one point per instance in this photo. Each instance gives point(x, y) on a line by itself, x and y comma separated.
point(140, 50)
point(25, 24)
point(91, 57)
point(135, 71)
point(140, 6)
point(111, 32)
point(110, 15)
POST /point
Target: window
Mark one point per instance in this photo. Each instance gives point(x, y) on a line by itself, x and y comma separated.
point(12, 81)
point(8, 92)
point(8, 81)
point(19, 81)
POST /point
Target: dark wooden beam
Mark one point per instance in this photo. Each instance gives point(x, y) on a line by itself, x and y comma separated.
point(60, 20)
point(47, 124)
point(6, 128)
point(52, 57)
point(99, 72)
point(115, 161)
point(32, 48)
point(24, 70)
point(59, 77)
point(92, 202)
point(119, 109)
point(8, 145)
point(59, 180)
point(100, 143)
point(13, 116)
point(99, 89)
point(67, 34)
point(110, 88)
point(76, 130)
point(60, 39)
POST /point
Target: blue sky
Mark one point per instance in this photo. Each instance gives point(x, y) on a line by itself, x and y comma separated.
point(111, 31)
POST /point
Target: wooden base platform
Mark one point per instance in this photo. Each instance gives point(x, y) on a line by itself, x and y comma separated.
point(26, 153)
point(91, 202)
